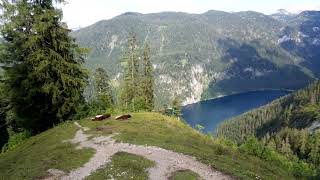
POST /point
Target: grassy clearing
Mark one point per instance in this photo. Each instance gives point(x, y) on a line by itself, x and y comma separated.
point(184, 175)
point(124, 166)
point(170, 133)
point(32, 158)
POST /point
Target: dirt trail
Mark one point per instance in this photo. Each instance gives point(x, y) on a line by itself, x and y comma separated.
point(166, 161)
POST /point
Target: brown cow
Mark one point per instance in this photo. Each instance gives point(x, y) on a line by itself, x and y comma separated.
point(101, 117)
point(123, 117)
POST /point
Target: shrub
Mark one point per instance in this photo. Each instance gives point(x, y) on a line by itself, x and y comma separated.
point(15, 139)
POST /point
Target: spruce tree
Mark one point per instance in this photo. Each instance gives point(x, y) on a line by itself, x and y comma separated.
point(314, 154)
point(131, 89)
point(148, 81)
point(103, 88)
point(176, 106)
point(45, 79)
point(3, 110)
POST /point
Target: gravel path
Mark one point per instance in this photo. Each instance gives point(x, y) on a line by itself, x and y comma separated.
point(166, 161)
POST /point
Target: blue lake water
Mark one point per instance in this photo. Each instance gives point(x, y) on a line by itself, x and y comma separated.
point(211, 112)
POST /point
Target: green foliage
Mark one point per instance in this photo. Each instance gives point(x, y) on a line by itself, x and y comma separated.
point(91, 108)
point(137, 85)
point(15, 139)
point(184, 175)
point(3, 134)
point(297, 167)
point(44, 77)
point(253, 147)
point(225, 142)
point(124, 166)
point(3, 110)
point(174, 109)
point(176, 106)
point(148, 81)
point(284, 130)
point(284, 112)
point(130, 89)
point(103, 89)
point(32, 158)
point(305, 115)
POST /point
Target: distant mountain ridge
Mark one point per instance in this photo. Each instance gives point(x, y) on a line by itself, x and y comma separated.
point(201, 56)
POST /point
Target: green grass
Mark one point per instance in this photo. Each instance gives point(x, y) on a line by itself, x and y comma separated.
point(170, 133)
point(184, 175)
point(32, 158)
point(124, 166)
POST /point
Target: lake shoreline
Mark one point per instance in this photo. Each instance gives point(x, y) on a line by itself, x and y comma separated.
point(210, 113)
point(238, 93)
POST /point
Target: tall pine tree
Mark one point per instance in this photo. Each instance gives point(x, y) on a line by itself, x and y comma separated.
point(45, 79)
point(3, 109)
point(103, 88)
point(137, 89)
point(148, 81)
point(130, 92)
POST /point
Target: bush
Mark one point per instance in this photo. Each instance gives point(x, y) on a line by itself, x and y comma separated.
point(297, 167)
point(91, 108)
point(252, 147)
point(225, 142)
point(15, 139)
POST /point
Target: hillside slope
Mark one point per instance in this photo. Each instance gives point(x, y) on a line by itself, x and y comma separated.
point(299, 110)
point(49, 150)
point(289, 126)
point(200, 56)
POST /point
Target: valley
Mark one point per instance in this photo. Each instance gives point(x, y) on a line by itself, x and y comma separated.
point(161, 95)
point(203, 56)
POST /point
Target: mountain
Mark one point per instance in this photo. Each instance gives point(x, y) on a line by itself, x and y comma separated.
point(202, 56)
point(283, 15)
point(302, 38)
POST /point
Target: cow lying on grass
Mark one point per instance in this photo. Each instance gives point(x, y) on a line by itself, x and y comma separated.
point(123, 117)
point(101, 117)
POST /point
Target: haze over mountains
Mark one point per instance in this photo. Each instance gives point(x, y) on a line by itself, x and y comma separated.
point(202, 56)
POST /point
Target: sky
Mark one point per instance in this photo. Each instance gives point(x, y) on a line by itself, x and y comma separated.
point(81, 13)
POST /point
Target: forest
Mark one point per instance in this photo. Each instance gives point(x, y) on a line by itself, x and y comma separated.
point(286, 126)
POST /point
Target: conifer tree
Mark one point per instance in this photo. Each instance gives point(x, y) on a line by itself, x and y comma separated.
point(285, 147)
point(103, 88)
point(303, 141)
point(148, 81)
point(315, 149)
point(176, 106)
point(45, 79)
point(131, 89)
point(3, 124)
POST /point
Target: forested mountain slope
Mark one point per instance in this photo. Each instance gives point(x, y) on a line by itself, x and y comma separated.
point(216, 53)
point(298, 110)
point(290, 125)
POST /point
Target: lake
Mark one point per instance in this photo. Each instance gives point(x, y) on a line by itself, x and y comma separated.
point(211, 112)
